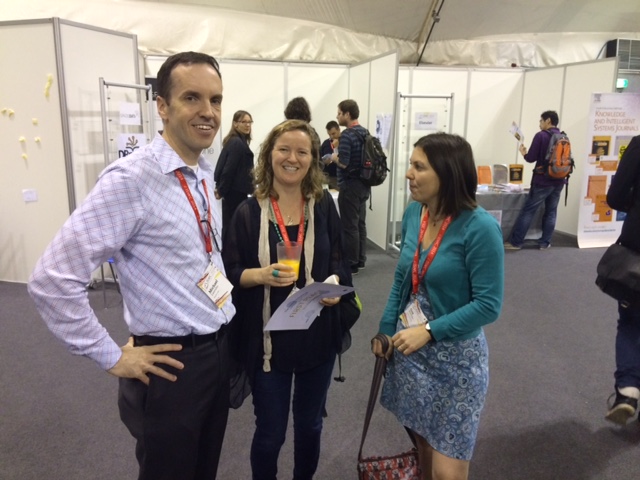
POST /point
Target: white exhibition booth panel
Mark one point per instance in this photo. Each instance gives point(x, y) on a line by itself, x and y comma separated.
point(59, 169)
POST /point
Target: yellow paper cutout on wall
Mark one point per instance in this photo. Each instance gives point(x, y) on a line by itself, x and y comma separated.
point(34, 121)
point(24, 156)
point(11, 112)
point(47, 87)
point(37, 139)
point(22, 139)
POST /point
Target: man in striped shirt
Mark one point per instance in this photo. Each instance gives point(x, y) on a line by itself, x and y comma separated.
point(151, 213)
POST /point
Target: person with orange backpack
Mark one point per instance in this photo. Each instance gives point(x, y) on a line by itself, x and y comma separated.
point(551, 151)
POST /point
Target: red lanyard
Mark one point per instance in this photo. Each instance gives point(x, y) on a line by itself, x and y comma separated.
point(283, 229)
point(415, 279)
point(187, 192)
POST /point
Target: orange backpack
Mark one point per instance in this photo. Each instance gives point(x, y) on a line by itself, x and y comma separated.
point(560, 162)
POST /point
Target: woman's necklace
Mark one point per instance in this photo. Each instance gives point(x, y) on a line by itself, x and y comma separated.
point(289, 220)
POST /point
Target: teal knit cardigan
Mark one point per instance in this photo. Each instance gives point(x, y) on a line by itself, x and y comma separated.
point(465, 281)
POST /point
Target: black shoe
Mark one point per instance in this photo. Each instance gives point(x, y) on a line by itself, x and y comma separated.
point(361, 265)
point(354, 270)
point(622, 410)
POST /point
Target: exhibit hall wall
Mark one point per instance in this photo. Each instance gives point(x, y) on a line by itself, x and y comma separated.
point(566, 89)
point(30, 166)
point(55, 97)
point(59, 169)
point(381, 86)
point(486, 101)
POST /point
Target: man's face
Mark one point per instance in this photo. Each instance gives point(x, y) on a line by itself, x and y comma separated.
point(191, 116)
point(545, 124)
point(343, 118)
point(334, 133)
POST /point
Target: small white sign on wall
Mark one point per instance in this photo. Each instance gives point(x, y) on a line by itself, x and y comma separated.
point(130, 114)
point(426, 121)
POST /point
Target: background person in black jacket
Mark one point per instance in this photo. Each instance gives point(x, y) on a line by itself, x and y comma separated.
point(233, 170)
point(624, 196)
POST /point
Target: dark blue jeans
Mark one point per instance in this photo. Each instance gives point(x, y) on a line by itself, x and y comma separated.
point(271, 399)
point(628, 348)
point(550, 196)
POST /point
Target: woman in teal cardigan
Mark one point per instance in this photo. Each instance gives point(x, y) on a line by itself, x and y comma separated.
point(448, 283)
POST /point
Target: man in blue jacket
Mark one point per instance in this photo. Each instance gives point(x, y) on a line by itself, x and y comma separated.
point(543, 189)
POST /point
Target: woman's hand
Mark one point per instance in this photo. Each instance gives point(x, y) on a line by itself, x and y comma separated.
point(275, 275)
point(411, 339)
point(330, 302)
point(376, 348)
point(278, 275)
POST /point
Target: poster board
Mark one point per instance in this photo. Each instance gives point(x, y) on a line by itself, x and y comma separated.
point(614, 119)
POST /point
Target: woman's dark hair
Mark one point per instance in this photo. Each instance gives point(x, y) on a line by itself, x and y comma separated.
point(234, 132)
point(263, 172)
point(163, 81)
point(451, 158)
point(298, 109)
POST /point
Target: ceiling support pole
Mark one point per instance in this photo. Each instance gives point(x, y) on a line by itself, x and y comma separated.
point(430, 20)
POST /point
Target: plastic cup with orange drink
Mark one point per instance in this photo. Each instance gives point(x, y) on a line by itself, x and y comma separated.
point(289, 254)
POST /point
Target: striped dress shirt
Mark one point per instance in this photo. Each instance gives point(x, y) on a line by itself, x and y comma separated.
point(138, 214)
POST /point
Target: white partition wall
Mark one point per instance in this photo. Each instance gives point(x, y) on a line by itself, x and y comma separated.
point(488, 100)
point(382, 83)
point(441, 81)
point(26, 227)
point(264, 88)
point(324, 86)
point(495, 97)
point(542, 90)
point(567, 90)
point(52, 94)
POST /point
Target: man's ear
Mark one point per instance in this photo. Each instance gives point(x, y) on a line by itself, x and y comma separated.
point(162, 106)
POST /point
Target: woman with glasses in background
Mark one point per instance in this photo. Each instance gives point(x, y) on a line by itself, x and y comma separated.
point(233, 170)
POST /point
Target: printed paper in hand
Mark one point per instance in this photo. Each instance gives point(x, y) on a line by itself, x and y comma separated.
point(516, 132)
point(300, 310)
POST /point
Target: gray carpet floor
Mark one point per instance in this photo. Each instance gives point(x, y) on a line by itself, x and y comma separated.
point(551, 357)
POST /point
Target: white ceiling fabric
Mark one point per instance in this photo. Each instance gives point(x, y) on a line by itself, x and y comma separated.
point(469, 32)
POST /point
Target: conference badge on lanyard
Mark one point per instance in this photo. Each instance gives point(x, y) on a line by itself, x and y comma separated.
point(215, 285)
point(413, 315)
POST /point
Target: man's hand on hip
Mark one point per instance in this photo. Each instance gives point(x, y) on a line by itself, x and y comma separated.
point(138, 362)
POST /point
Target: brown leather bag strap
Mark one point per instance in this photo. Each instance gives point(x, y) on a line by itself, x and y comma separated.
point(378, 373)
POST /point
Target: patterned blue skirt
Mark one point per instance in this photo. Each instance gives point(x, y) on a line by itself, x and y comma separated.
point(439, 390)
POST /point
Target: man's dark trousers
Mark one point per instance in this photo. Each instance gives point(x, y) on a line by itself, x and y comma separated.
point(179, 426)
point(352, 201)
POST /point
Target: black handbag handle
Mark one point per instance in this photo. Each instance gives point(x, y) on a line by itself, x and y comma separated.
point(378, 373)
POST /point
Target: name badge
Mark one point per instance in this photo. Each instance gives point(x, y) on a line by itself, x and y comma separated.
point(412, 315)
point(215, 285)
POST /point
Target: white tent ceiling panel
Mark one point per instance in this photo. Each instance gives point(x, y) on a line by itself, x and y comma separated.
point(469, 32)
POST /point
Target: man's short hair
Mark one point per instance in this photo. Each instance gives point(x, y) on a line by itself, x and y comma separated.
point(332, 124)
point(298, 109)
point(550, 115)
point(350, 107)
point(164, 84)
